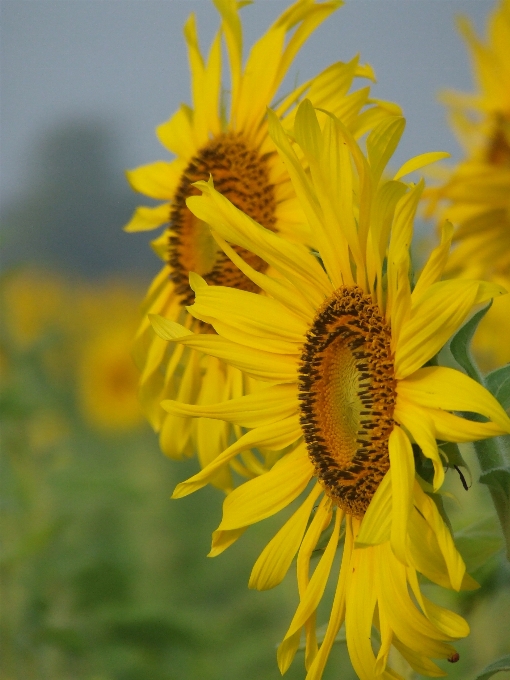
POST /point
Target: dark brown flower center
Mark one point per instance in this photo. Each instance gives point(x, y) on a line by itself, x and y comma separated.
point(240, 174)
point(498, 152)
point(347, 397)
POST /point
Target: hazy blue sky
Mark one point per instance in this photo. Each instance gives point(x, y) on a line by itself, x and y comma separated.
point(119, 67)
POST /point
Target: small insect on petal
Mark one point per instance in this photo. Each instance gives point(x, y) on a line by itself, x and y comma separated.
point(454, 658)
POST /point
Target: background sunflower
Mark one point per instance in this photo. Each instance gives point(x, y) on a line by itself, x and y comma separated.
point(475, 195)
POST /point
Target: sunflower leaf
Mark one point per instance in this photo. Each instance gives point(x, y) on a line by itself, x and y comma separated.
point(454, 456)
point(502, 664)
point(460, 345)
point(498, 383)
point(498, 481)
point(478, 542)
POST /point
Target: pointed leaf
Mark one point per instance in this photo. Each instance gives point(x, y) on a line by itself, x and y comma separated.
point(495, 667)
point(478, 542)
point(498, 481)
point(461, 341)
point(498, 383)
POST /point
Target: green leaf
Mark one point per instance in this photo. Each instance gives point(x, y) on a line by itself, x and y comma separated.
point(490, 452)
point(495, 667)
point(461, 341)
point(498, 481)
point(478, 542)
point(498, 383)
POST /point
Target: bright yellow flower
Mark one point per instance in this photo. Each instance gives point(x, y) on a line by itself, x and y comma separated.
point(491, 340)
point(477, 191)
point(343, 346)
point(33, 304)
point(107, 378)
point(237, 151)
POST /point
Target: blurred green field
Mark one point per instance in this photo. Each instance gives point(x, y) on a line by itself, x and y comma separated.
point(104, 577)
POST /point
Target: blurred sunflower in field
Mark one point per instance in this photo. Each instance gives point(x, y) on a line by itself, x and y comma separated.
point(106, 376)
point(236, 151)
point(36, 319)
point(32, 304)
point(344, 347)
point(476, 193)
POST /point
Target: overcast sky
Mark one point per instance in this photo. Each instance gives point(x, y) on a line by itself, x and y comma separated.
point(120, 66)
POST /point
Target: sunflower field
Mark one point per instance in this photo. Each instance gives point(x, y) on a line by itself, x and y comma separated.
point(288, 453)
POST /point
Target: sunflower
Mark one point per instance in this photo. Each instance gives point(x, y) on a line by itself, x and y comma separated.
point(477, 190)
point(344, 345)
point(237, 151)
point(106, 376)
point(33, 303)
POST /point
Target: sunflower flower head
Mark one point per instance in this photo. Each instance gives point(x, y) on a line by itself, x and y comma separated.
point(234, 148)
point(343, 341)
point(475, 195)
point(106, 376)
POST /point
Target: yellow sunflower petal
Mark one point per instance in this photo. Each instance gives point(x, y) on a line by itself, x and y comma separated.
point(257, 85)
point(421, 426)
point(419, 662)
point(309, 600)
point(275, 560)
point(212, 436)
point(408, 623)
point(176, 431)
point(320, 522)
point(160, 246)
point(439, 312)
point(381, 144)
point(419, 162)
point(232, 28)
point(270, 57)
point(263, 407)
point(287, 651)
point(268, 494)
point(157, 180)
point(221, 540)
point(145, 218)
point(452, 625)
point(337, 610)
point(402, 231)
point(279, 289)
point(434, 267)
point(448, 389)
point(402, 482)
point(257, 363)
point(451, 428)
point(361, 600)
point(425, 555)
point(311, 15)
point(332, 83)
point(454, 562)
point(386, 635)
point(329, 160)
point(205, 85)
point(275, 436)
point(261, 322)
point(399, 300)
point(292, 260)
point(376, 523)
point(177, 134)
